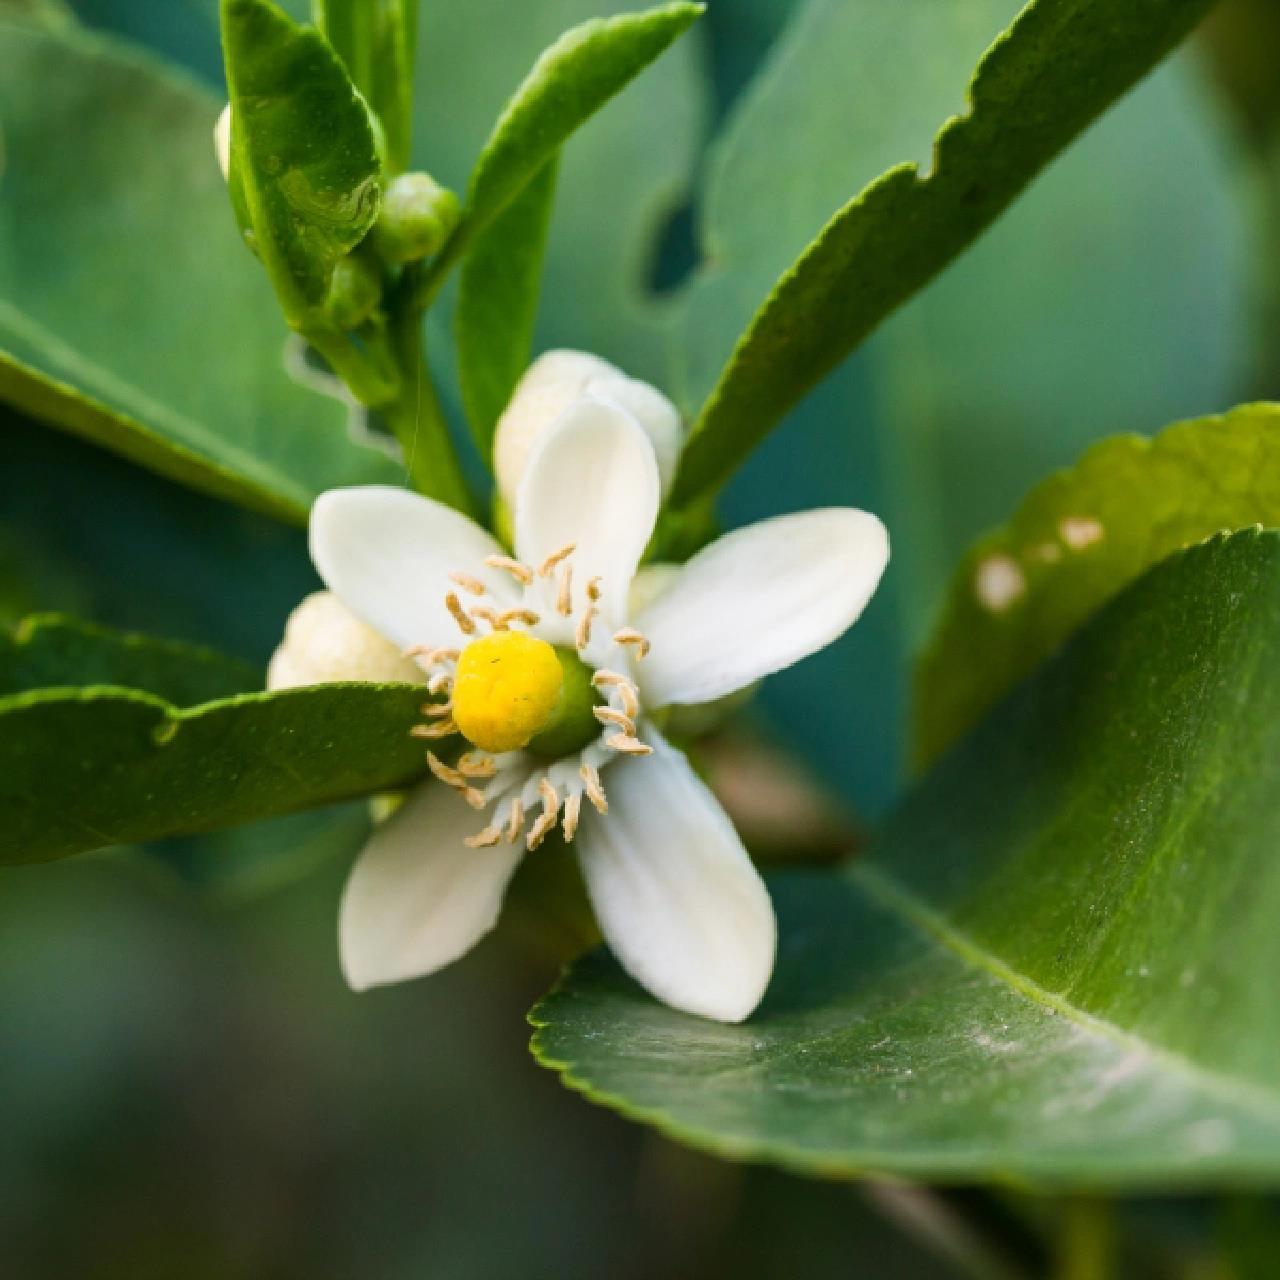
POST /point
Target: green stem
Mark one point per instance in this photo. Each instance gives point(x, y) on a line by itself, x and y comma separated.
point(415, 415)
point(367, 382)
point(1086, 1240)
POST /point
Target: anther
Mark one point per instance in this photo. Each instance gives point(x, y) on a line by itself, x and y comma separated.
point(564, 595)
point(629, 635)
point(610, 715)
point(628, 745)
point(468, 583)
point(486, 614)
point(572, 811)
point(550, 797)
point(472, 765)
point(518, 570)
point(595, 792)
point(483, 839)
point(515, 822)
point(441, 729)
point(508, 616)
point(628, 692)
point(452, 778)
point(460, 616)
point(438, 709)
point(441, 680)
point(593, 589)
point(538, 832)
point(582, 633)
point(545, 568)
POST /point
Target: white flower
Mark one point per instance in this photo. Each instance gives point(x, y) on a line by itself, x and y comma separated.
point(508, 641)
point(553, 382)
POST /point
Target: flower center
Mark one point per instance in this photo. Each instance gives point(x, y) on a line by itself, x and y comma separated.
point(507, 688)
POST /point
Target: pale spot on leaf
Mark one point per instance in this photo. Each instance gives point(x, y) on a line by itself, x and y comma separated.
point(999, 582)
point(1079, 532)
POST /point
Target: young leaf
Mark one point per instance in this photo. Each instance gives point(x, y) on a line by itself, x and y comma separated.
point(1059, 65)
point(304, 150)
point(174, 358)
point(1052, 969)
point(375, 40)
point(1077, 538)
point(568, 84)
point(498, 304)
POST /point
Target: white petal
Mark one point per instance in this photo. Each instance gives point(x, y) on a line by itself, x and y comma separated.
point(674, 892)
point(592, 480)
point(387, 554)
point(417, 898)
point(653, 411)
point(222, 141)
point(758, 600)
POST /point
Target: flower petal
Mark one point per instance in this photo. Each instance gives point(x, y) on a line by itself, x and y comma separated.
point(674, 892)
point(758, 600)
point(417, 898)
point(387, 554)
point(591, 480)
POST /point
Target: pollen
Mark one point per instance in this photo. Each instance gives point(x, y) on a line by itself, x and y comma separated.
point(506, 689)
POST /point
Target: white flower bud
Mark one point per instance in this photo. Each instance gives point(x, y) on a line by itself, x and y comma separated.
point(553, 382)
point(324, 642)
point(222, 141)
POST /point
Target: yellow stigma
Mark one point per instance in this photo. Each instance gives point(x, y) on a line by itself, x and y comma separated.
point(506, 689)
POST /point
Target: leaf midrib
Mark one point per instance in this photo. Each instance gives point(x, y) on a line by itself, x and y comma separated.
point(887, 893)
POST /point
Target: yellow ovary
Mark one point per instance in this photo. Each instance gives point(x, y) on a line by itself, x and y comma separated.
point(506, 689)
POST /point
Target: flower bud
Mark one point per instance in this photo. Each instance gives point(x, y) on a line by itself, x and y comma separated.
point(354, 291)
point(222, 142)
point(416, 218)
point(550, 385)
point(325, 642)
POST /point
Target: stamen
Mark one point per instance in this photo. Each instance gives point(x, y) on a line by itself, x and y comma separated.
point(452, 778)
point(516, 568)
point(550, 797)
point(454, 605)
point(468, 583)
point(628, 745)
point(595, 792)
point(629, 635)
point(611, 715)
point(437, 709)
point(572, 811)
point(564, 595)
point(485, 839)
point(487, 614)
point(508, 616)
point(582, 635)
point(473, 765)
point(515, 822)
point(593, 589)
point(441, 680)
point(545, 568)
point(539, 831)
point(629, 693)
point(441, 729)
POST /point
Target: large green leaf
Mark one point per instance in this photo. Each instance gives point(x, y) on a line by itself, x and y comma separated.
point(1056, 966)
point(89, 763)
point(1039, 84)
point(567, 85)
point(1077, 538)
point(302, 149)
point(497, 304)
point(168, 349)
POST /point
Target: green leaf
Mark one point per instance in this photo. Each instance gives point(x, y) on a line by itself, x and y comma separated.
point(567, 85)
point(56, 15)
point(169, 352)
point(1053, 969)
point(303, 148)
point(85, 765)
point(375, 40)
point(1077, 539)
point(48, 650)
point(1041, 82)
point(498, 304)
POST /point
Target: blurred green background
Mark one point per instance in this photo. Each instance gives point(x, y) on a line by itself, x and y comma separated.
point(189, 1088)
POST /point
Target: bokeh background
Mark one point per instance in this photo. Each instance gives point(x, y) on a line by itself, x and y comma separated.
point(189, 1089)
